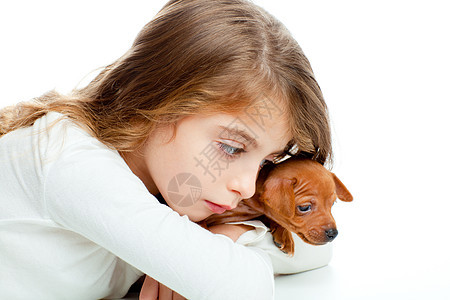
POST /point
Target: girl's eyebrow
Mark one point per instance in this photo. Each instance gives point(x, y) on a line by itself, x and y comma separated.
point(247, 137)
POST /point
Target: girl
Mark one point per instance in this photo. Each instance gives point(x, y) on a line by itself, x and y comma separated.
point(209, 92)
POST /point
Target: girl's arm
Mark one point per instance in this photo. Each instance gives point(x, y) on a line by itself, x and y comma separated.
point(306, 257)
point(90, 190)
point(255, 234)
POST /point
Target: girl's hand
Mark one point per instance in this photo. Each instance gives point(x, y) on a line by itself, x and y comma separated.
point(233, 231)
point(153, 290)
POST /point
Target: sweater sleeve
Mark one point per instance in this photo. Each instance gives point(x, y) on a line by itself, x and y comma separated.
point(306, 257)
point(90, 190)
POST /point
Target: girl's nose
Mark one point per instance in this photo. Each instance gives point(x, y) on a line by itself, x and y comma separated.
point(244, 183)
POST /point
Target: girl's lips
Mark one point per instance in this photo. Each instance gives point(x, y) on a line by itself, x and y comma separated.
point(215, 208)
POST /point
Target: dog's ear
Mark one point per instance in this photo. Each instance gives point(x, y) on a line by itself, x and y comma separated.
point(278, 195)
point(341, 191)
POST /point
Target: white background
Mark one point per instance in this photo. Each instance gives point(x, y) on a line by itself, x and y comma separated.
point(384, 69)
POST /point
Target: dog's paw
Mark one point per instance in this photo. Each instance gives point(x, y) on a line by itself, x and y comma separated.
point(277, 244)
point(282, 238)
point(280, 246)
point(289, 245)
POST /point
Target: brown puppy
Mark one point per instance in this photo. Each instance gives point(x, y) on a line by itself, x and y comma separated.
point(293, 196)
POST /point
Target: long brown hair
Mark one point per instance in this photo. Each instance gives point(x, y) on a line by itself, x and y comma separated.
point(194, 56)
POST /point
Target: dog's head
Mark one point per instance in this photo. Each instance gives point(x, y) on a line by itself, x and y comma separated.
point(299, 195)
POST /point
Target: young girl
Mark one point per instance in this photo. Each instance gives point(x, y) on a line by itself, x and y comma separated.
point(209, 92)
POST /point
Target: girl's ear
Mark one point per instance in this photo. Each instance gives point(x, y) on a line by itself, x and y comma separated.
point(341, 191)
point(278, 195)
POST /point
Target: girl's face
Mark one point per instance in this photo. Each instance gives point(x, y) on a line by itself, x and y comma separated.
point(212, 163)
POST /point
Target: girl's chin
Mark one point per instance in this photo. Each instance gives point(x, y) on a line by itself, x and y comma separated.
point(195, 216)
point(198, 218)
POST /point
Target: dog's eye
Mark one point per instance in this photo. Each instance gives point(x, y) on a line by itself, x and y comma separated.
point(304, 208)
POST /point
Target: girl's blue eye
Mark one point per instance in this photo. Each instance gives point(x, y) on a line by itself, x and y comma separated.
point(233, 152)
point(230, 151)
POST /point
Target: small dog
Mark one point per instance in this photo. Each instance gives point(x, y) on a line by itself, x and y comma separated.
point(293, 196)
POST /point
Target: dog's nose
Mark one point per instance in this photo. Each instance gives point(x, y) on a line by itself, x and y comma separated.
point(331, 234)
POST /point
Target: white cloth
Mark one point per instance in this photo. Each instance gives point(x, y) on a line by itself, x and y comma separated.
point(76, 223)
